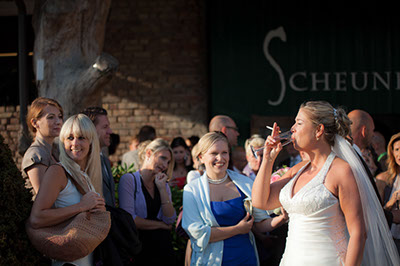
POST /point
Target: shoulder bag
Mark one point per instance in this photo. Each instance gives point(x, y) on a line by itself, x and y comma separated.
point(74, 238)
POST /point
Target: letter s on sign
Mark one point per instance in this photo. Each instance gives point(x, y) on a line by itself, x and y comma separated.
point(279, 32)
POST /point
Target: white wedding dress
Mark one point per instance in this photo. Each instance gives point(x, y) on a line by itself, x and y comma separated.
point(317, 230)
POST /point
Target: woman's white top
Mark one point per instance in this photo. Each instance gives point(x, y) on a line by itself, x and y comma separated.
point(67, 197)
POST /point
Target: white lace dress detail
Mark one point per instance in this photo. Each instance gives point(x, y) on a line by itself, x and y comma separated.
point(317, 230)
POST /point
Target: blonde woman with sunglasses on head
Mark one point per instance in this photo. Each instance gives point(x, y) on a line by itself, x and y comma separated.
point(59, 199)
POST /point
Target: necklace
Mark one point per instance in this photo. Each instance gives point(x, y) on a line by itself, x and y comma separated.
point(218, 181)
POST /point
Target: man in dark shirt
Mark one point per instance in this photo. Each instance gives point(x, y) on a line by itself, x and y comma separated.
point(100, 120)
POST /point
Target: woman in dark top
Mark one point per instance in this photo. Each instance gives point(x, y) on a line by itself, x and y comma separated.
point(44, 119)
point(145, 194)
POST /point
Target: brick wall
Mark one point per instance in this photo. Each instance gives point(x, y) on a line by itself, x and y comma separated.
point(161, 80)
point(9, 127)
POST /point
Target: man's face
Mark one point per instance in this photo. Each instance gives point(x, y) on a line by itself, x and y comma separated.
point(370, 132)
point(362, 128)
point(232, 133)
point(103, 130)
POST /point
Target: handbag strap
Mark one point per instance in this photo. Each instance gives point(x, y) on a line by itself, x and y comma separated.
point(78, 185)
point(134, 193)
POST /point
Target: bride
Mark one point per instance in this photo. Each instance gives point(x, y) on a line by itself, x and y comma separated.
point(335, 216)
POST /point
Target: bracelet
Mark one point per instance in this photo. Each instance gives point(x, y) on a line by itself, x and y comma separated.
point(162, 203)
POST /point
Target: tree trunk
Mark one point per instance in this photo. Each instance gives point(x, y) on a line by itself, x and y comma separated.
point(24, 139)
point(68, 60)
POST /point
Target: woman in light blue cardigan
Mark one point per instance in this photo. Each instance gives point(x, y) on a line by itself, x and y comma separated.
point(214, 215)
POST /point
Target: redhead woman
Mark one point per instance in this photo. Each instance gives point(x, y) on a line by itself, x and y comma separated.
point(214, 212)
point(58, 198)
point(335, 217)
point(44, 119)
point(146, 195)
point(388, 183)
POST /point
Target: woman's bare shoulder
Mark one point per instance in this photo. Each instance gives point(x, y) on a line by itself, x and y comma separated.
point(55, 168)
point(340, 171)
point(340, 163)
point(56, 172)
point(384, 176)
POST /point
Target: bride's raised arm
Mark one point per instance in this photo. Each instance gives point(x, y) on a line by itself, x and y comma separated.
point(264, 195)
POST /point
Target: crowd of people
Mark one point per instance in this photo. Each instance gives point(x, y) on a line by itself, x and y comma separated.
point(335, 203)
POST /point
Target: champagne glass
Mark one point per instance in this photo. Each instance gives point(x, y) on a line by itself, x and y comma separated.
point(285, 138)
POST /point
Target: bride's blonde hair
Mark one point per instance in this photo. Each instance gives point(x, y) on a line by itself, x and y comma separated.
point(80, 125)
point(335, 120)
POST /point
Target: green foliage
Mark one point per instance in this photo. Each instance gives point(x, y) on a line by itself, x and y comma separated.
point(117, 172)
point(178, 243)
point(15, 206)
point(120, 170)
point(177, 195)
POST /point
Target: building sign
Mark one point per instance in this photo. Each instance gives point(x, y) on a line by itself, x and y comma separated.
point(266, 58)
point(303, 81)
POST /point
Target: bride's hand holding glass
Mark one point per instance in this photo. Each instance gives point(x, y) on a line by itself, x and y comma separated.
point(273, 144)
point(283, 138)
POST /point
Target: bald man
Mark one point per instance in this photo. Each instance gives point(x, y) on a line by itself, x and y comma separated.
point(362, 131)
point(226, 125)
point(362, 128)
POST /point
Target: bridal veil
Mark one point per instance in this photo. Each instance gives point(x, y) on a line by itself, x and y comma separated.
point(379, 247)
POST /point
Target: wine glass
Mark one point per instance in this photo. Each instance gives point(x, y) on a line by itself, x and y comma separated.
point(285, 138)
